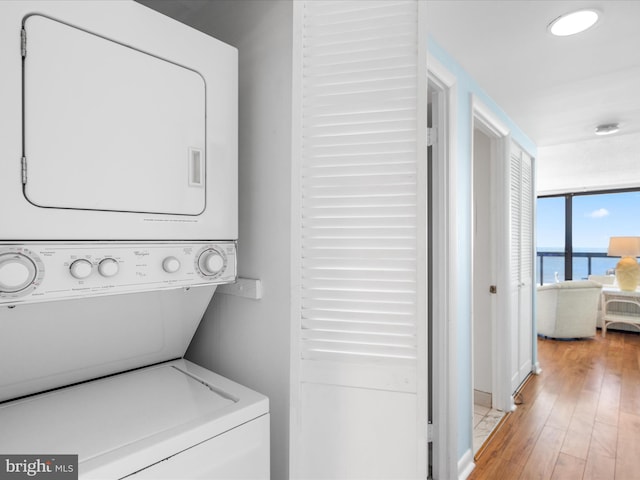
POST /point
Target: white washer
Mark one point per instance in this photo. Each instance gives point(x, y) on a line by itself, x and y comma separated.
point(85, 338)
point(64, 325)
point(175, 420)
point(118, 123)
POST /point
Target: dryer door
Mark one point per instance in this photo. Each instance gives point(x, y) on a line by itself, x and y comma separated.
point(109, 127)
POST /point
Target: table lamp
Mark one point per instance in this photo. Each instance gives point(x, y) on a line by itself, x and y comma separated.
point(627, 269)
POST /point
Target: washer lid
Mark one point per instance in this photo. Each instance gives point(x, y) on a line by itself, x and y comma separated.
point(95, 418)
point(109, 127)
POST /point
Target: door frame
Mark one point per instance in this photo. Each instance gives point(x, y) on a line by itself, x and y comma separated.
point(444, 380)
point(483, 258)
point(483, 118)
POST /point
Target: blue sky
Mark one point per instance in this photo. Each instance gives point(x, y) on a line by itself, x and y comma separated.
point(595, 219)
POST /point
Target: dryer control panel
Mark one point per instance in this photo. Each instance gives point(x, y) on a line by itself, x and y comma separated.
point(31, 272)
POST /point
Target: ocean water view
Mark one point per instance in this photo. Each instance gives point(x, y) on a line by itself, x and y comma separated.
point(600, 265)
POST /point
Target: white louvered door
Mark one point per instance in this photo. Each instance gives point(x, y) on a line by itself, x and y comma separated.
point(525, 339)
point(521, 264)
point(360, 325)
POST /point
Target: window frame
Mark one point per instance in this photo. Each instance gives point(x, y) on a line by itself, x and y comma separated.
point(568, 222)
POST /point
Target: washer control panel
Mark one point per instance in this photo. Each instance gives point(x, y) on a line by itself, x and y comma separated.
point(33, 272)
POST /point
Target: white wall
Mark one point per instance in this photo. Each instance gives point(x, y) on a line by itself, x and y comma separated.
point(249, 340)
point(598, 164)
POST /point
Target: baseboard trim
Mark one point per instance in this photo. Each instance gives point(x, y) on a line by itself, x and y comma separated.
point(483, 399)
point(465, 465)
point(536, 368)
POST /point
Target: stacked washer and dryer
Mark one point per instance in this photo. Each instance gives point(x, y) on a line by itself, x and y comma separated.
point(118, 219)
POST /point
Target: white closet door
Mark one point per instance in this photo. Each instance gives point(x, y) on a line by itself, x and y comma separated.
point(514, 264)
point(527, 281)
point(521, 264)
point(360, 373)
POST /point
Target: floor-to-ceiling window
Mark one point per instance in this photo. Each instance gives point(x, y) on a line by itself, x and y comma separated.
point(573, 232)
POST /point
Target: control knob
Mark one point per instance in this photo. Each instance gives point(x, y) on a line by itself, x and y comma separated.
point(108, 267)
point(81, 268)
point(17, 272)
point(211, 262)
point(171, 264)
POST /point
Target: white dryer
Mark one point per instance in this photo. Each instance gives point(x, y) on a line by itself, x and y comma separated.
point(118, 123)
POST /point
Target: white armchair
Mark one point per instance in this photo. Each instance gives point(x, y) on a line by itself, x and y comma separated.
point(603, 279)
point(568, 309)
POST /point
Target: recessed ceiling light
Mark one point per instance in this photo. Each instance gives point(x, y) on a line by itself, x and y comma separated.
point(607, 128)
point(574, 22)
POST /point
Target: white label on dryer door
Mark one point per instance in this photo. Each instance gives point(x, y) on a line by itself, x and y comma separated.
point(109, 127)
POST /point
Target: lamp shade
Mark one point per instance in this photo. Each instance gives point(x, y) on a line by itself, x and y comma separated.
point(624, 247)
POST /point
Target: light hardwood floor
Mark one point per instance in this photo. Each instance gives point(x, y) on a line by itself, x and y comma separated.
point(580, 418)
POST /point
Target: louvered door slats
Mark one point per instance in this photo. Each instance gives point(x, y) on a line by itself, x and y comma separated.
point(358, 182)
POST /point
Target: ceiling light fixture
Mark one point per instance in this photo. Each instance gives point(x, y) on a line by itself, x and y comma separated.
point(607, 128)
point(574, 22)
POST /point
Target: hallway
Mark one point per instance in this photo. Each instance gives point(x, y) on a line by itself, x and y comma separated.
point(580, 418)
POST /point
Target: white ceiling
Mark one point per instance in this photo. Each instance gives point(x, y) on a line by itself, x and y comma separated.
point(557, 89)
